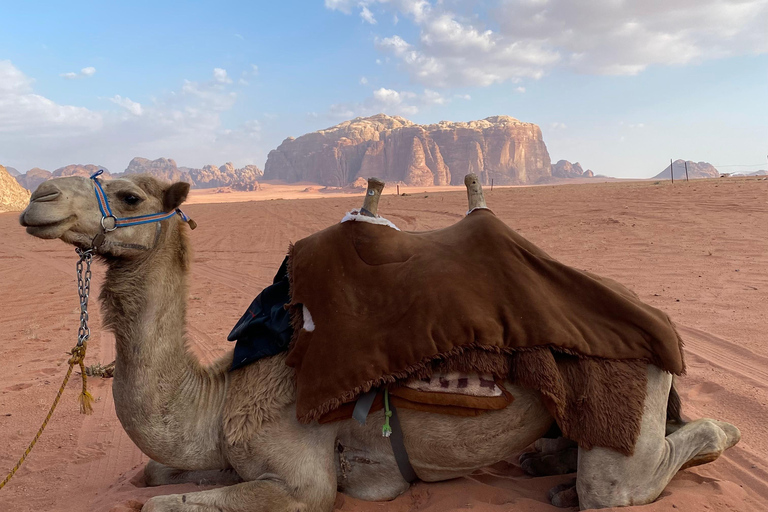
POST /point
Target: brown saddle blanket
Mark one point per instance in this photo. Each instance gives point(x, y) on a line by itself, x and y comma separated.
point(386, 305)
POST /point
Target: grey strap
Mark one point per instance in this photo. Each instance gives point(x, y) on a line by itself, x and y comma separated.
point(363, 406)
point(398, 447)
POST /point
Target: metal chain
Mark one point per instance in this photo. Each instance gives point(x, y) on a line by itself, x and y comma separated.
point(78, 353)
point(84, 291)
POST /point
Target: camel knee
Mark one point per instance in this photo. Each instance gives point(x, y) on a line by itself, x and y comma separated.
point(158, 474)
point(708, 440)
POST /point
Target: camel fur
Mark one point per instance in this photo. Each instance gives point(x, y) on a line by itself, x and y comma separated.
point(239, 428)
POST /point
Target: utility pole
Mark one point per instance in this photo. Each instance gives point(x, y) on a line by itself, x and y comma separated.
point(686, 170)
point(671, 171)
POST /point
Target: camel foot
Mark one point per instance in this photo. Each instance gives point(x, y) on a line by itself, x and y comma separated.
point(564, 495)
point(184, 503)
point(732, 436)
point(552, 457)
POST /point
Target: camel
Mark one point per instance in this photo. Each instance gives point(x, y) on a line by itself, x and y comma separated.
point(207, 424)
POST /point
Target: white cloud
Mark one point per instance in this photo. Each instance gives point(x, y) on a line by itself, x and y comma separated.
point(363, 80)
point(463, 96)
point(520, 89)
point(220, 75)
point(558, 126)
point(131, 106)
point(24, 113)
point(84, 73)
point(388, 101)
point(186, 124)
point(532, 37)
point(367, 15)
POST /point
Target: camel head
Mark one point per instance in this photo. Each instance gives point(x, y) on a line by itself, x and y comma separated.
point(68, 209)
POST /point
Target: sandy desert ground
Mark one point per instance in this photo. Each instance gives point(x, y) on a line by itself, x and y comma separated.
point(698, 250)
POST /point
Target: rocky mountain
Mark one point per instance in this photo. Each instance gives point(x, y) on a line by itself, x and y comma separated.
point(695, 170)
point(80, 170)
point(13, 197)
point(13, 172)
point(163, 168)
point(395, 149)
point(209, 176)
point(33, 178)
point(565, 169)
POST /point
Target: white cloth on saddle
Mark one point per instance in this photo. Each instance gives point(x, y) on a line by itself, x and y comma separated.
point(470, 384)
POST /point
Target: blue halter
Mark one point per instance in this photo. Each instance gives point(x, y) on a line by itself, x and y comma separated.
point(122, 222)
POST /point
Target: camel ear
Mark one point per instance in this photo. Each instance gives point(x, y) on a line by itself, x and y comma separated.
point(175, 195)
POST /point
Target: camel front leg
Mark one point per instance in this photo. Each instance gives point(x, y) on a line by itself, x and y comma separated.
point(254, 496)
point(156, 474)
point(607, 478)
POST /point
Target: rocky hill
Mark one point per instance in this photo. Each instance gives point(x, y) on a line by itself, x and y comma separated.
point(80, 170)
point(695, 170)
point(13, 172)
point(565, 169)
point(209, 176)
point(33, 178)
point(163, 168)
point(395, 149)
point(13, 197)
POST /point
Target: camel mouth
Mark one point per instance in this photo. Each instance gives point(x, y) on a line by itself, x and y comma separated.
point(46, 228)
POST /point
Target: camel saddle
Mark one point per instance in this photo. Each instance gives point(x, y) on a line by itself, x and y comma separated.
point(374, 306)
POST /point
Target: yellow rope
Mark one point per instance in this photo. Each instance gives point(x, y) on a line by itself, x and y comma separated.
point(85, 399)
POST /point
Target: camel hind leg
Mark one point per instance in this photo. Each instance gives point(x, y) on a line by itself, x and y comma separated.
point(607, 478)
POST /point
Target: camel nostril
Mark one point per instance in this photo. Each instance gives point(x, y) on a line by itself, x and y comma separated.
point(42, 196)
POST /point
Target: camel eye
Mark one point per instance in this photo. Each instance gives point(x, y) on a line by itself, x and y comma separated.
point(131, 199)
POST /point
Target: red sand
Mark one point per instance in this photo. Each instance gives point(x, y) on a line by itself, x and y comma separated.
point(698, 250)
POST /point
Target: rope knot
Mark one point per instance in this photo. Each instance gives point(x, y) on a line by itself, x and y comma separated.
point(78, 355)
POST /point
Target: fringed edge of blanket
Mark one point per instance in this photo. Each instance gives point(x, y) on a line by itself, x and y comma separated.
point(580, 417)
point(629, 429)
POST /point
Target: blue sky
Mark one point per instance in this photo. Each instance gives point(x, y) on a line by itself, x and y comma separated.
point(620, 86)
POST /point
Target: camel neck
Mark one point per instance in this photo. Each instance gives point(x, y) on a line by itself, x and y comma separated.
point(165, 400)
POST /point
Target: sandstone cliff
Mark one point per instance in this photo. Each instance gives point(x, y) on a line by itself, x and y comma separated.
point(395, 149)
point(33, 178)
point(565, 169)
point(13, 197)
point(80, 170)
point(163, 168)
point(209, 176)
point(695, 170)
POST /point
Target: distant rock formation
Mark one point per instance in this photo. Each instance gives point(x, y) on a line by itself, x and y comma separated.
point(33, 178)
point(761, 172)
point(565, 169)
point(498, 148)
point(209, 176)
point(13, 172)
point(13, 197)
point(695, 170)
point(80, 170)
point(163, 168)
point(166, 169)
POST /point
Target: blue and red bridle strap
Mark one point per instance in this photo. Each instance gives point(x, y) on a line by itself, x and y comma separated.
point(122, 222)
